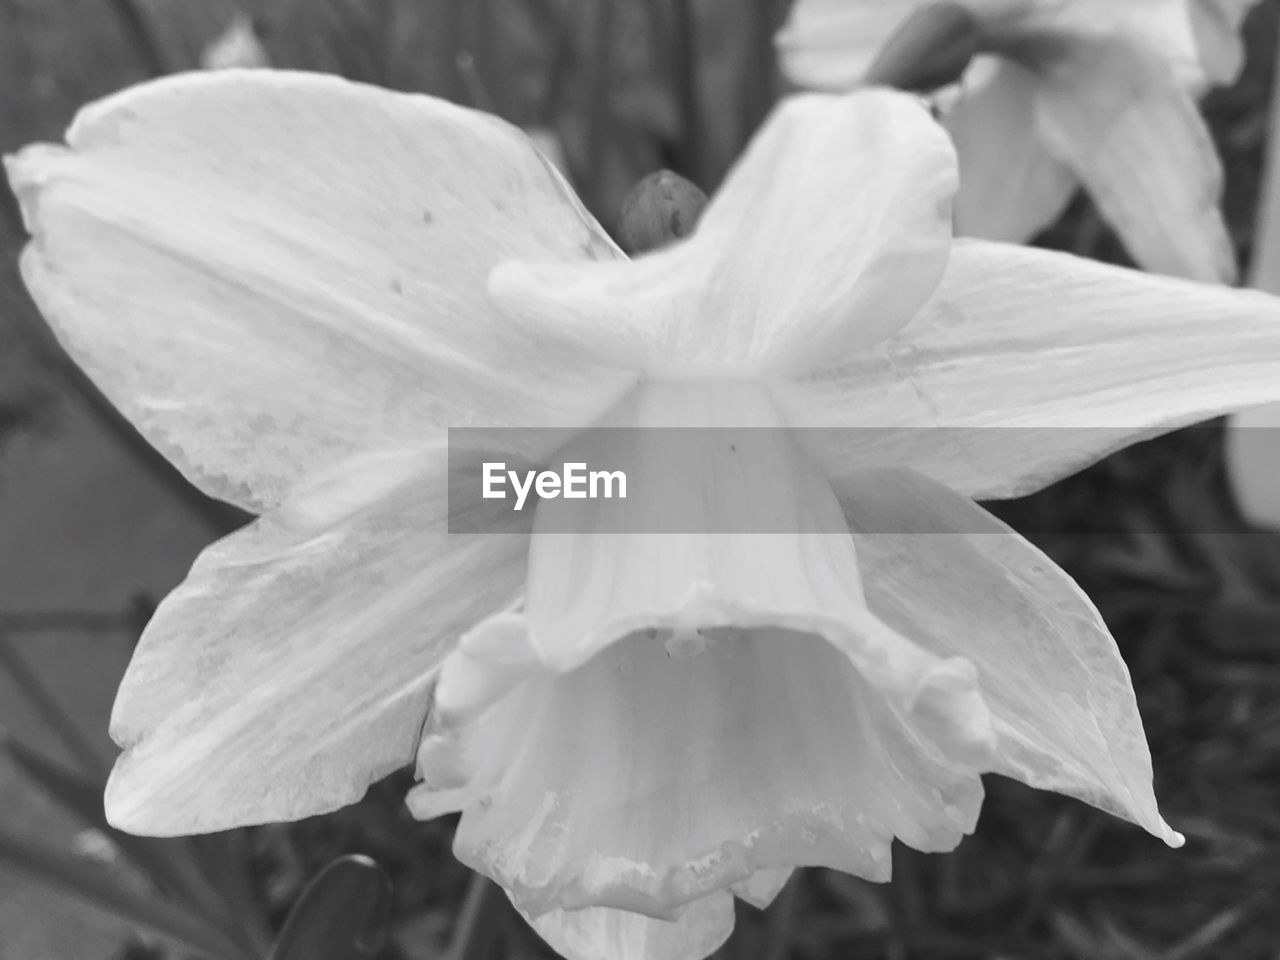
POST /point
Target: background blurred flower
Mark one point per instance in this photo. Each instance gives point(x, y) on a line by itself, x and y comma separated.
point(237, 46)
point(1252, 442)
point(1067, 92)
point(357, 270)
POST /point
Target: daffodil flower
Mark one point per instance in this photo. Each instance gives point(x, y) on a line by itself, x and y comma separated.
point(1099, 92)
point(292, 284)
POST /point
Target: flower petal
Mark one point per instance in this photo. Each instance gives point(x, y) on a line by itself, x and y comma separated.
point(808, 729)
point(1252, 453)
point(574, 796)
point(292, 667)
point(762, 887)
point(1011, 188)
point(599, 933)
point(237, 46)
point(829, 44)
point(1115, 113)
point(270, 272)
point(961, 583)
point(1216, 25)
point(600, 570)
point(1161, 25)
point(1082, 357)
point(772, 278)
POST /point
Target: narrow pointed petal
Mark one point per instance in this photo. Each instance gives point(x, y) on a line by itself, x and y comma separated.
point(1076, 358)
point(796, 255)
point(829, 44)
point(292, 667)
point(598, 933)
point(1011, 187)
point(944, 572)
point(269, 272)
point(1116, 114)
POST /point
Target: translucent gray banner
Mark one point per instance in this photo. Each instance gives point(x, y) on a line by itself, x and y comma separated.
point(762, 480)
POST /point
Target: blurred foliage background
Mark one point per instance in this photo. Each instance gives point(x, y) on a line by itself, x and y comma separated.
point(94, 529)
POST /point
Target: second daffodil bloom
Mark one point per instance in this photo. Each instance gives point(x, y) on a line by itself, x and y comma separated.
point(1065, 92)
point(292, 284)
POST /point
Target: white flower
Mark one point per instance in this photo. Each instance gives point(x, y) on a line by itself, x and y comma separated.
point(1099, 92)
point(292, 285)
point(237, 46)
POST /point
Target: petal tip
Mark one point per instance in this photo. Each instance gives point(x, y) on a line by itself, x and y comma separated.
point(126, 805)
point(27, 171)
point(13, 167)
